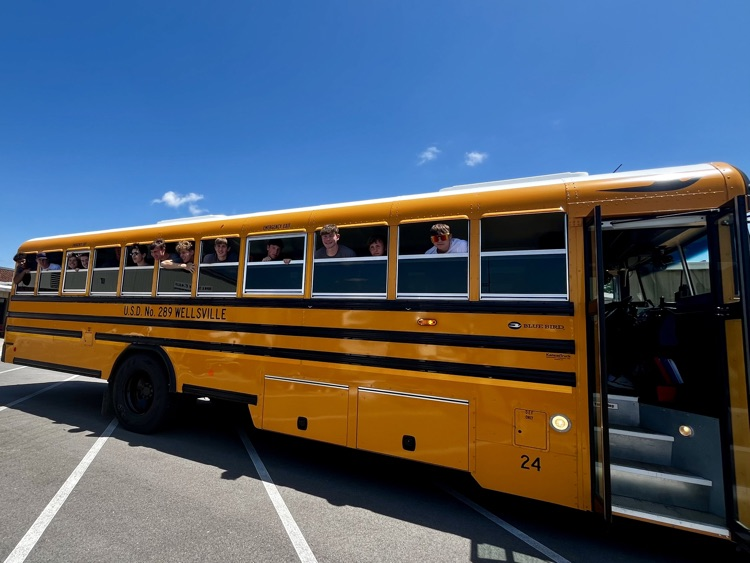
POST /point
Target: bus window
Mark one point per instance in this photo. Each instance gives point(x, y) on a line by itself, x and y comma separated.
point(217, 273)
point(49, 271)
point(696, 261)
point(665, 277)
point(28, 282)
point(361, 275)
point(76, 271)
point(275, 265)
point(424, 269)
point(524, 257)
point(175, 280)
point(106, 270)
point(139, 271)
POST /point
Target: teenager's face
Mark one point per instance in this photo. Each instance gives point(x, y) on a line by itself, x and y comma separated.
point(330, 240)
point(273, 251)
point(441, 242)
point(159, 253)
point(221, 251)
point(187, 255)
point(377, 248)
point(137, 256)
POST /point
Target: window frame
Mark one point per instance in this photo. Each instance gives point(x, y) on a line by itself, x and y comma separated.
point(94, 270)
point(174, 272)
point(460, 228)
point(529, 252)
point(49, 273)
point(203, 267)
point(67, 271)
point(363, 232)
point(33, 276)
point(126, 268)
point(260, 264)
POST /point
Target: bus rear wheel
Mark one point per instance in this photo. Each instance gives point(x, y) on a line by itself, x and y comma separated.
point(141, 394)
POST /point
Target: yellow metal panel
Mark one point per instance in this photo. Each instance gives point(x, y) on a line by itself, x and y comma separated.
point(616, 196)
point(306, 408)
point(578, 297)
point(428, 429)
point(215, 370)
point(528, 472)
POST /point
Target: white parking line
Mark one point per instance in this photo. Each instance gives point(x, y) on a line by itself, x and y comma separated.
point(2, 408)
point(12, 369)
point(509, 528)
point(27, 543)
point(303, 550)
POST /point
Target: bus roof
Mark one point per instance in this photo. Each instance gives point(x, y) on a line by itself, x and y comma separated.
point(562, 179)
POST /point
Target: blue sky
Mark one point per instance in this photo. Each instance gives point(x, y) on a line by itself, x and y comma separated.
point(114, 114)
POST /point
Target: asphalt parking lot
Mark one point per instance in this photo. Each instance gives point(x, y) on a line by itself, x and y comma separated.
point(77, 487)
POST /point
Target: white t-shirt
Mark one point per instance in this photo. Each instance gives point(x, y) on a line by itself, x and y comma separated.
point(458, 245)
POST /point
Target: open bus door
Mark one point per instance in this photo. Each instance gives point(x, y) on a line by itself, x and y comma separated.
point(597, 368)
point(732, 271)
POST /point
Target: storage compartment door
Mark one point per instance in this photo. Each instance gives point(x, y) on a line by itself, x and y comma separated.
point(429, 429)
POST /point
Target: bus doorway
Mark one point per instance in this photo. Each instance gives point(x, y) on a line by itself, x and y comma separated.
point(672, 357)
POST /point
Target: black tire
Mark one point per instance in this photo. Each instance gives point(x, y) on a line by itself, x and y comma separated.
point(141, 394)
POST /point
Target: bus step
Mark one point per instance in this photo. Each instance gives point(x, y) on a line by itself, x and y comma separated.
point(623, 410)
point(640, 444)
point(660, 484)
point(678, 517)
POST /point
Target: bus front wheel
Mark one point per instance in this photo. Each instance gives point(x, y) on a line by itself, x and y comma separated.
point(141, 394)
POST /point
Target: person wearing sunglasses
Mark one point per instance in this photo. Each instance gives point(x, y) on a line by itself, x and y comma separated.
point(444, 243)
point(138, 256)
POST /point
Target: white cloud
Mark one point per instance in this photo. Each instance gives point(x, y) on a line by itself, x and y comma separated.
point(473, 158)
point(175, 200)
point(430, 153)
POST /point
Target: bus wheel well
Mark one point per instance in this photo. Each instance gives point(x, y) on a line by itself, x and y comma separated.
point(157, 353)
point(139, 390)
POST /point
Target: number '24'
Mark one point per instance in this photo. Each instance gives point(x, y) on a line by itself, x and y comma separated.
point(527, 463)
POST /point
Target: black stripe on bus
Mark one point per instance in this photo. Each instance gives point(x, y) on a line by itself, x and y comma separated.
point(658, 186)
point(220, 394)
point(520, 307)
point(463, 340)
point(58, 367)
point(471, 370)
point(45, 331)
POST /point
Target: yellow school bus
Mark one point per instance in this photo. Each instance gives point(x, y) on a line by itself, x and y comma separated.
point(578, 339)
